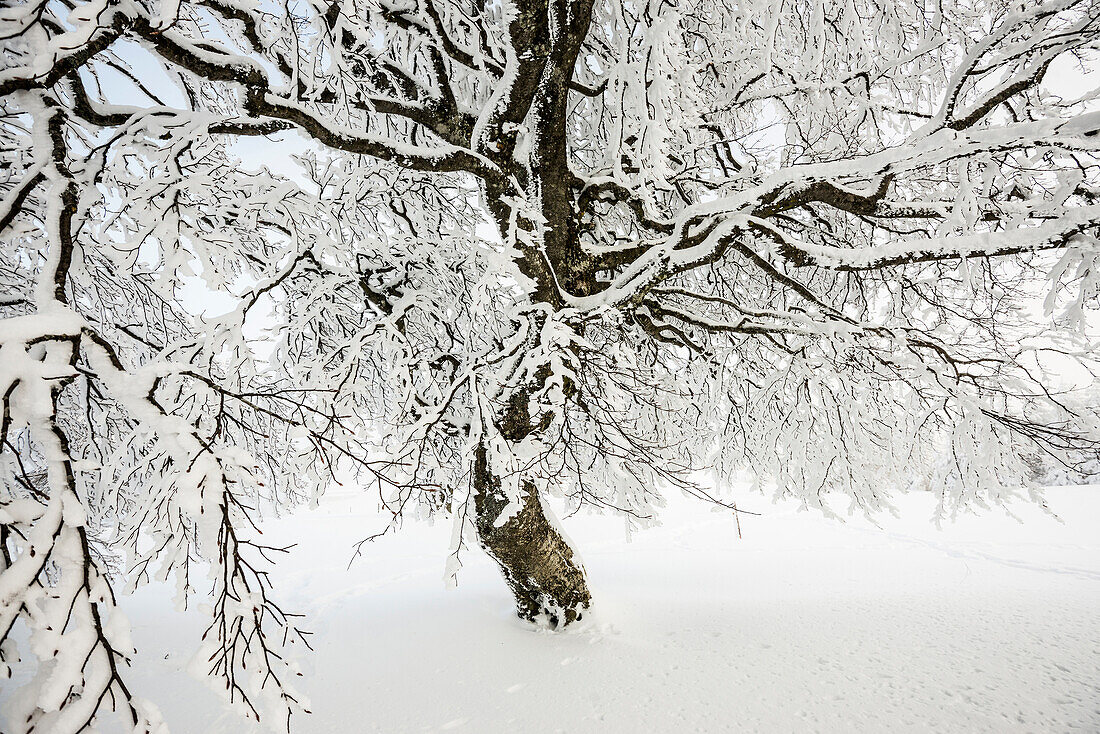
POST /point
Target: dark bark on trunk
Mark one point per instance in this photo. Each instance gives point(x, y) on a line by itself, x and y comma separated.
point(539, 566)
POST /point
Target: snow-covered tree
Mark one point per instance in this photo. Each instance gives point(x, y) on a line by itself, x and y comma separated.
point(499, 251)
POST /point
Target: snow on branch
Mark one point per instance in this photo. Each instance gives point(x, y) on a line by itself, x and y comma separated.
point(249, 250)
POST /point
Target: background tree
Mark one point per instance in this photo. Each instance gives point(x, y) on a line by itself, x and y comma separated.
point(570, 247)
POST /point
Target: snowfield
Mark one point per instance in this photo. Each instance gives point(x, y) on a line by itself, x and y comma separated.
point(805, 624)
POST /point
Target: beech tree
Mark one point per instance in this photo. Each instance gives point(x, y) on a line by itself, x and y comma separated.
point(590, 249)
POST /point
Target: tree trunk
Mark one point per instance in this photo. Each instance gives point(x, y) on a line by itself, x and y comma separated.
point(539, 565)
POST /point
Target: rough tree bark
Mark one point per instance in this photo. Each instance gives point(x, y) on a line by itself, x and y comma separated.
point(540, 567)
point(538, 564)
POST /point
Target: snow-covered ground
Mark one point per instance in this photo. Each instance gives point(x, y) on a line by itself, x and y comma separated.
point(805, 624)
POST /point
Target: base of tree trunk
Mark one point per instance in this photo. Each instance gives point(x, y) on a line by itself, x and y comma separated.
point(539, 565)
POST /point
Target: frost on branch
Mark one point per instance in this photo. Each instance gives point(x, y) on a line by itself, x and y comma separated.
point(514, 250)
